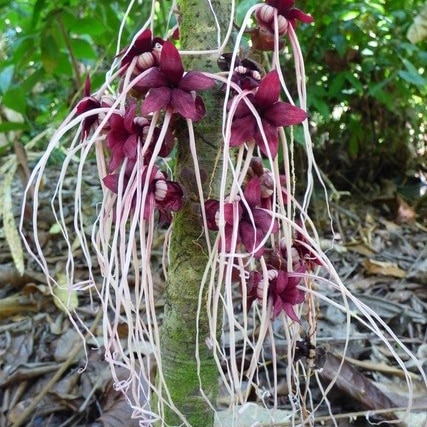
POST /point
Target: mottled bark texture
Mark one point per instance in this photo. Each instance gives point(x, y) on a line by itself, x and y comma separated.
point(188, 255)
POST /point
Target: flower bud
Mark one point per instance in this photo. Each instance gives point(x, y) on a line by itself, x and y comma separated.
point(267, 184)
point(107, 101)
point(161, 190)
point(282, 25)
point(265, 15)
point(272, 274)
point(145, 60)
point(241, 70)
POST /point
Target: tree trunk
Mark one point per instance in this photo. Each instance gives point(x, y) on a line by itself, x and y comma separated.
point(188, 253)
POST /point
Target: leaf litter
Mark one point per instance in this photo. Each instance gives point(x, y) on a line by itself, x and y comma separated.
point(44, 365)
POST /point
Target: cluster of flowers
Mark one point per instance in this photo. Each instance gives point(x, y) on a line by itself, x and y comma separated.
point(160, 85)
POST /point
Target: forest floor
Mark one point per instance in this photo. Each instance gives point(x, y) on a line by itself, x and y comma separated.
point(379, 248)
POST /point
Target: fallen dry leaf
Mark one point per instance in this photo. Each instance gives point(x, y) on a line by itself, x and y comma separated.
point(383, 268)
point(405, 214)
point(358, 387)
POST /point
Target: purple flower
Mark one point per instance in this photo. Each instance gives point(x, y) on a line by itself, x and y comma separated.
point(145, 48)
point(86, 104)
point(170, 89)
point(246, 73)
point(126, 133)
point(282, 293)
point(252, 221)
point(164, 195)
point(302, 252)
point(287, 14)
point(273, 113)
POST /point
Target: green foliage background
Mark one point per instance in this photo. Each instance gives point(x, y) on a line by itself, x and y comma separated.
point(48, 47)
point(366, 82)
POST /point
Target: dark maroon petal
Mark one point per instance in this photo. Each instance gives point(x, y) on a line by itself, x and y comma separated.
point(243, 108)
point(284, 114)
point(251, 238)
point(268, 91)
point(167, 144)
point(112, 182)
point(143, 42)
point(87, 104)
point(299, 15)
point(130, 164)
point(263, 220)
point(165, 217)
point(242, 130)
point(184, 104)
point(211, 208)
point(194, 80)
point(281, 5)
point(128, 118)
point(130, 146)
point(87, 123)
point(253, 192)
point(292, 294)
point(116, 122)
point(115, 137)
point(277, 307)
point(154, 78)
point(157, 98)
point(289, 310)
point(270, 132)
point(200, 108)
point(229, 213)
point(170, 63)
point(254, 279)
point(116, 157)
point(274, 3)
point(174, 197)
point(281, 281)
point(87, 86)
point(228, 231)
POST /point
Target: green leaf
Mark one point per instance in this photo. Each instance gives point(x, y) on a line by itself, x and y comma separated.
point(378, 92)
point(336, 85)
point(11, 126)
point(89, 26)
point(350, 14)
point(413, 78)
point(353, 145)
point(321, 106)
point(409, 66)
point(82, 49)
point(37, 10)
point(16, 99)
point(378, 7)
point(63, 66)
point(25, 50)
point(38, 76)
point(242, 8)
point(412, 75)
point(6, 76)
point(354, 81)
point(49, 52)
